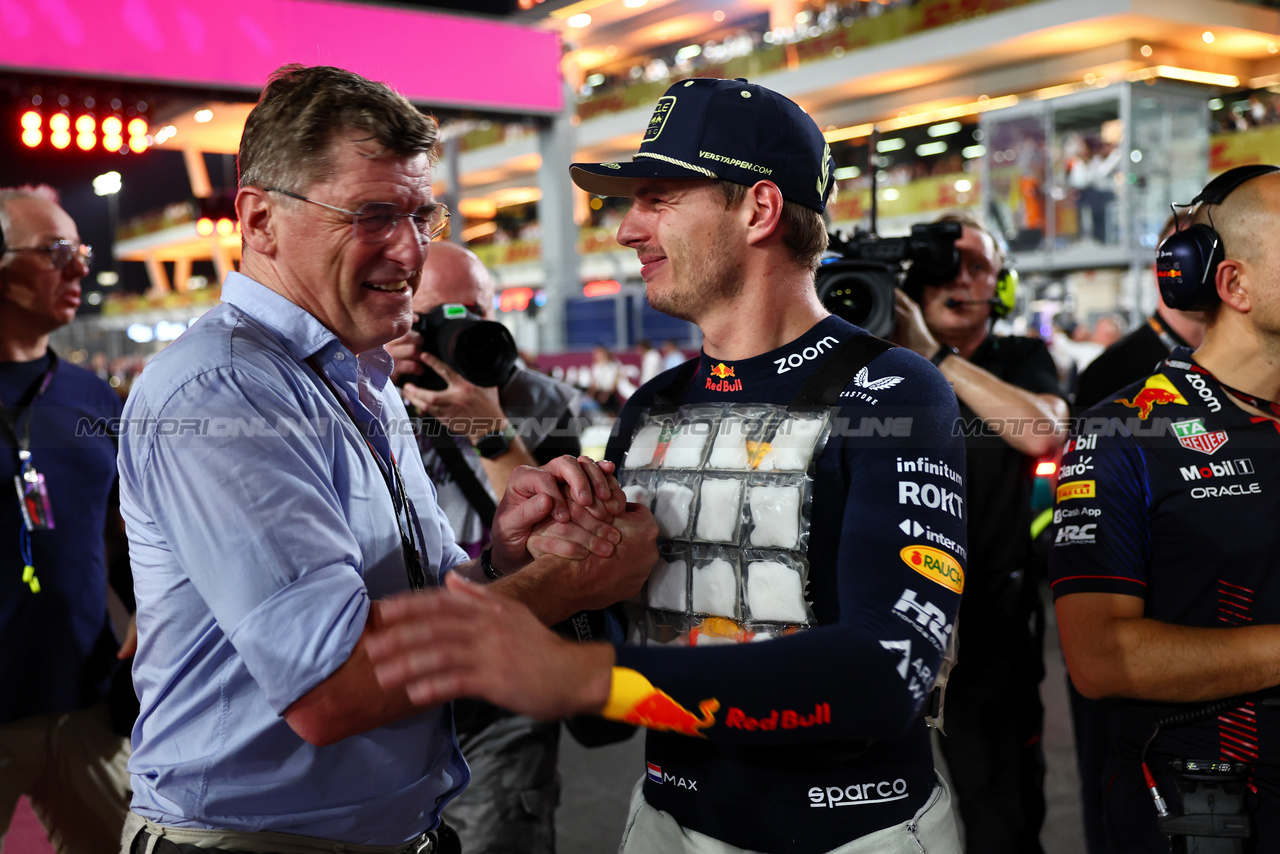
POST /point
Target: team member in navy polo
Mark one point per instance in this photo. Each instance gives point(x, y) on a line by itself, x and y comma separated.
point(56, 745)
point(1163, 566)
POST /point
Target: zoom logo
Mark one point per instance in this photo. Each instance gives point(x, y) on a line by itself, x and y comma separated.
point(858, 794)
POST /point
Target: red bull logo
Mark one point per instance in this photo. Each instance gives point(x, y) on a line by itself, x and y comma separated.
point(1157, 389)
point(722, 371)
point(723, 379)
point(634, 700)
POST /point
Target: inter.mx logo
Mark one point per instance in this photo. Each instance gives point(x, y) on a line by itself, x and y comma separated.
point(1193, 436)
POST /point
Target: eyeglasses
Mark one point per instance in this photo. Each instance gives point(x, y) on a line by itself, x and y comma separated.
point(375, 222)
point(60, 253)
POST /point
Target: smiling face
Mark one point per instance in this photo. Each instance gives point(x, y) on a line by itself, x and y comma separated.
point(33, 292)
point(362, 292)
point(688, 244)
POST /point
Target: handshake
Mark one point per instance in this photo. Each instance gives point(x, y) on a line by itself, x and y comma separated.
point(564, 540)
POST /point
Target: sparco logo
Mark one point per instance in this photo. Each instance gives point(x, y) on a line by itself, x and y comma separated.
point(808, 354)
point(1198, 383)
point(1228, 468)
point(858, 794)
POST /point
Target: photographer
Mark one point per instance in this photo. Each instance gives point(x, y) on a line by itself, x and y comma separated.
point(1163, 560)
point(510, 804)
point(1011, 411)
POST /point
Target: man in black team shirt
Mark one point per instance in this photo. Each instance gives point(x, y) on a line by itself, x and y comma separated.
point(1011, 412)
point(810, 496)
point(1136, 355)
point(1164, 550)
point(1131, 358)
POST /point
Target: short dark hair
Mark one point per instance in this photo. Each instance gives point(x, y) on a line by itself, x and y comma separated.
point(288, 137)
point(804, 231)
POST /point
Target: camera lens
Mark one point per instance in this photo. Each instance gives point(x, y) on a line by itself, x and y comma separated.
point(484, 353)
point(860, 292)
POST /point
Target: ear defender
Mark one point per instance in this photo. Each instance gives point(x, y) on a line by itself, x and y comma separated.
point(1187, 261)
point(1006, 292)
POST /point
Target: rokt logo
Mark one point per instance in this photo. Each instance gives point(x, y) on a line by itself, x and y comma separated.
point(935, 565)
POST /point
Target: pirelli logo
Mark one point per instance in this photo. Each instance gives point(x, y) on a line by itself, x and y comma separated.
point(1077, 489)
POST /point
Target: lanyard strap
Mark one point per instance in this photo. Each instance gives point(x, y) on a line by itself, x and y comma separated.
point(395, 486)
point(1170, 339)
point(1256, 402)
point(9, 421)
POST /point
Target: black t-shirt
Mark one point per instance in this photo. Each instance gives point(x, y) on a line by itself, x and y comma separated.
point(1000, 477)
point(1130, 359)
point(1169, 493)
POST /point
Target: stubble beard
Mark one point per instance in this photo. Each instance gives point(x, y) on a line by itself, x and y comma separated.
point(715, 280)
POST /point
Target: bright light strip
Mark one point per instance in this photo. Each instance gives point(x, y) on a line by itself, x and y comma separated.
point(577, 22)
point(577, 8)
point(844, 173)
point(964, 185)
point(890, 195)
point(475, 232)
point(885, 145)
point(203, 116)
point(916, 119)
point(971, 151)
point(931, 148)
point(1190, 75)
point(689, 52)
point(945, 129)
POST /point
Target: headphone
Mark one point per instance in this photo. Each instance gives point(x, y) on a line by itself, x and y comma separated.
point(1006, 295)
point(1187, 261)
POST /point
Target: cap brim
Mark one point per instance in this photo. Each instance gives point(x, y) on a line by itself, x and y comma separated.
point(619, 179)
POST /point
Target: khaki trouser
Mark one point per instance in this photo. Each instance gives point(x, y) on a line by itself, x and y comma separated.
point(931, 831)
point(73, 768)
point(264, 842)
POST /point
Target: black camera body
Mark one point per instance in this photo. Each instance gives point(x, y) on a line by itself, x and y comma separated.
point(856, 282)
point(481, 351)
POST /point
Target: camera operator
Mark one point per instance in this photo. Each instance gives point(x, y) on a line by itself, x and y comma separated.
point(509, 806)
point(1011, 411)
point(1163, 560)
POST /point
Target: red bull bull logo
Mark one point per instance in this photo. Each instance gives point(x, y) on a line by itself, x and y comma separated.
point(634, 700)
point(722, 379)
point(1156, 389)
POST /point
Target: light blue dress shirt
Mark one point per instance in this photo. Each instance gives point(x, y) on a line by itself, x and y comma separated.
point(260, 525)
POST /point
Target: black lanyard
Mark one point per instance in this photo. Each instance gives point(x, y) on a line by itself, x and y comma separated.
point(395, 486)
point(1256, 402)
point(20, 434)
point(1170, 339)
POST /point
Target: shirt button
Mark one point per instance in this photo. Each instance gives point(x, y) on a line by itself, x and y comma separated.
point(340, 356)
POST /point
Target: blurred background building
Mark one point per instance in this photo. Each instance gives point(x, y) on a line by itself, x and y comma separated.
point(1069, 124)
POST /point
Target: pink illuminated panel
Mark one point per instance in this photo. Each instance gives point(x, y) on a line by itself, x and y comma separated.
point(430, 58)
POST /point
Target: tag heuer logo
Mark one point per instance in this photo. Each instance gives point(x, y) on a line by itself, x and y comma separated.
point(1193, 436)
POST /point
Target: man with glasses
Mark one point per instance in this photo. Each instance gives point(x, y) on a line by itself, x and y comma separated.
point(59, 652)
point(273, 493)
